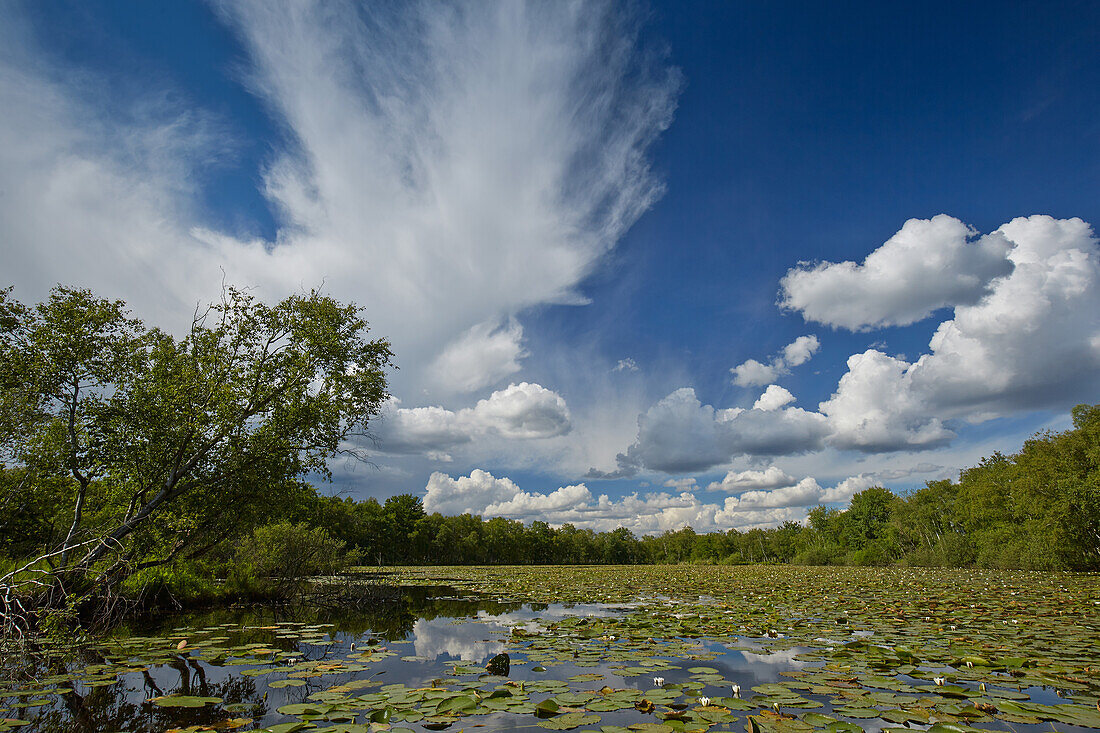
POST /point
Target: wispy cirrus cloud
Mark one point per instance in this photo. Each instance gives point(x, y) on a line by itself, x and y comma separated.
point(455, 164)
point(446, 167)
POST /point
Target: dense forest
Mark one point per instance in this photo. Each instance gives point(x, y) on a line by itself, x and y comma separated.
point(133, 462)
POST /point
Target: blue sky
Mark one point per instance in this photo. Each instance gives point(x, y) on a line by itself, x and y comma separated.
point(642, 264)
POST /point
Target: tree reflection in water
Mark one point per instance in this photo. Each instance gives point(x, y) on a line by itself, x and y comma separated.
point(105, 704)
point(126, 707)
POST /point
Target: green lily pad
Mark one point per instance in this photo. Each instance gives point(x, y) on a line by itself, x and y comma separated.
point(547, 708)
point(304, 709)
point(293, 727)
point(842, 726)
point(456, 705)
point(276, 684)
point(568, 721)
point(854, 712)
point(818, 720)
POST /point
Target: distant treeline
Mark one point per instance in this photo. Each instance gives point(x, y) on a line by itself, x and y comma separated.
point(1037, 509)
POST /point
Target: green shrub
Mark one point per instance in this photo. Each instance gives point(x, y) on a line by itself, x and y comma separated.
point(286, 551)
point(178, 583)
point(820, 555)
point(243, 584)
point(952, 550)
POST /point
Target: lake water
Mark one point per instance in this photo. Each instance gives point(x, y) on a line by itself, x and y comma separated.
point(417, 662)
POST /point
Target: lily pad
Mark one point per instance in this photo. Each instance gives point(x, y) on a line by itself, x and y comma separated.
point(568, 721)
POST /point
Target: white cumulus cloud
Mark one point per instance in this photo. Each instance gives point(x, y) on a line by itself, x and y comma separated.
point(753, 373)
point(1032, 342)
point(524, 411)
point(467, 494)
point(772, 477)
point(1023, 336)
point(869, 412)
point(525, 505)
point(800, 350)
point(773, 398)
point(805, 492)
point(846, 489)
point(486, 495)
point(929, 264)
point(680, 434)
point(480, 357)
point(521, 411)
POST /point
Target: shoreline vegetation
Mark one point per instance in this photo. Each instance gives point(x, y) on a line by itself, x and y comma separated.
point(143, 471)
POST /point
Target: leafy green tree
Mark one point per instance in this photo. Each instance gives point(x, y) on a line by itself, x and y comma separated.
point(33, 511)
point(785, 541)
point(822, 542)
point(679, 544)
point(68, 357)
point(402, 512)
point(573, 546)
point(620, 547)
point(373, 533)
point(929, 531)
point(539, 541)
point(173, 444)
point(20, 404)
point(423, 537)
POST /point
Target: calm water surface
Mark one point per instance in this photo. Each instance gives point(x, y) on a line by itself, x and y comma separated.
point(428, 635)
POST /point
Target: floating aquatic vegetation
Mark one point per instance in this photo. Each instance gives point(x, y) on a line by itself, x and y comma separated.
point(954, 651)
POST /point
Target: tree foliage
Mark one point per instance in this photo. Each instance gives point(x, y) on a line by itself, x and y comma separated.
point(168, 446)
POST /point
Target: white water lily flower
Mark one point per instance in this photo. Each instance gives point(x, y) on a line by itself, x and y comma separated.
point(704, 701)
point(939, 681)
point(737, 690)
point(658, 681)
